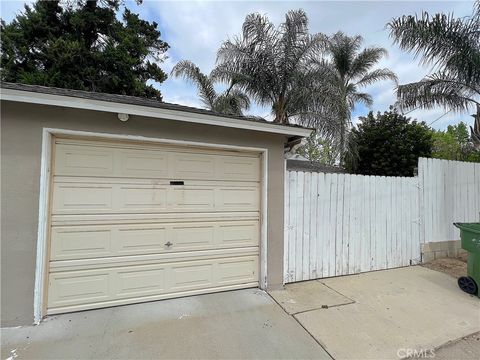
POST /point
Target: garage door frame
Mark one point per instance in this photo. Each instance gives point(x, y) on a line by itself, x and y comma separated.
point(41, 266)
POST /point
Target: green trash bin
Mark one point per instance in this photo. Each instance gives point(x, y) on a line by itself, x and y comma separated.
point(470, 238)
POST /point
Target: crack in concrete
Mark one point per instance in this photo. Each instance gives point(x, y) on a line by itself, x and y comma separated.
point(323, 307)
point(303, 327)
point(338, 292)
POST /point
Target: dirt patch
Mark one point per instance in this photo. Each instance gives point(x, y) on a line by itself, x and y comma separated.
point(455, 267)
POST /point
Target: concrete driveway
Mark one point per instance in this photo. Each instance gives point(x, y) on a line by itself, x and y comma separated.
point(243, 324)
point(385, 314)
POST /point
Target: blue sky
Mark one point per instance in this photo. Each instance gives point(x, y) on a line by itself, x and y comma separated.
point(195, 30)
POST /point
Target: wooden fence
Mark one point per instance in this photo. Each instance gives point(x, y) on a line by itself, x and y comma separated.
point(340, 224)
point(450, 193)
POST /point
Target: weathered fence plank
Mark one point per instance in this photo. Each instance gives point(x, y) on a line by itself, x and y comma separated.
point(451, 193)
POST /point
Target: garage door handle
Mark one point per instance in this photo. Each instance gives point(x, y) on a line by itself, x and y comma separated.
point(168, 244)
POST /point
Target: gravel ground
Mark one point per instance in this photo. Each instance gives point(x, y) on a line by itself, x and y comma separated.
point(455, 267)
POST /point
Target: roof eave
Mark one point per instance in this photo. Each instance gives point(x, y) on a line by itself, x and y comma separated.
point(167, 114)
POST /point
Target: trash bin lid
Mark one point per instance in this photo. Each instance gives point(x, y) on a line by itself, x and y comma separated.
point(471, 227)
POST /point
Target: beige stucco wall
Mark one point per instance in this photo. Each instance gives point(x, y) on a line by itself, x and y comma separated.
point(21, 141)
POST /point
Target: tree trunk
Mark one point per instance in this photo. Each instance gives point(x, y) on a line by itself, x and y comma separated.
point(342, 142)
point(475, 130)
point(280, 111)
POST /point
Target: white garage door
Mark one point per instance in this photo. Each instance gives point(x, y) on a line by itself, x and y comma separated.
point(138, 222)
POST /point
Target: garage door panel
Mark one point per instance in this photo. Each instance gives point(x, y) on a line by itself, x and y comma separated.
point(80, 242)
point(193, 166)
point(138, 240)
point(82, 198)
point(92, 287)
point(134, 283)
point(101, 198)
point(87, 198)
point(232, 271)
point(186, 198)
point(79, 288)
point(246, 169)
point(192, 236)
point(239, 234)
point(147, 259)
point(78, 160)
point(141, 198)
point(146, 164)
point(240, 199)
point(98, 241)
point(191, 276)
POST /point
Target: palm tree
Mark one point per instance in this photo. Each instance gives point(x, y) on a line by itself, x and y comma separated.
point(452, 46)
point(308, 79)
point(348, 70)
point(231, 102)
point(272, 65)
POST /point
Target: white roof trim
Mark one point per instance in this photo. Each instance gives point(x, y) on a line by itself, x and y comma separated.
point(168, 114)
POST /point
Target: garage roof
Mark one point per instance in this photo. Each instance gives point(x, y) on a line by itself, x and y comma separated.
point(139, 106)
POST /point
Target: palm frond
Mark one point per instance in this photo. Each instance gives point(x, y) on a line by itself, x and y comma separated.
point(365, 60)
point(450, 44)
point(252, 66)
point(232, 102)
point(189, 71)
point(241, 99)
point(343, 50)
point(438, 89)
point(293, 31)
point(257, 28)
point(362, 98)
point(377, 75)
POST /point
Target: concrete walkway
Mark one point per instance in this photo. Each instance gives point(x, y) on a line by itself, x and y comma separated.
point(244, 324)
point(466, 348)
point(383, 314)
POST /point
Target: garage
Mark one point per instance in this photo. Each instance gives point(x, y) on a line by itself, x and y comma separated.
point(112, 200)
point(133, 222)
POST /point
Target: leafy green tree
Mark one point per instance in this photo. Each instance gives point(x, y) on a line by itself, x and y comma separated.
point(232, 101)
point(82, 45)
point(472, 156)
point(389, 144)
point(460, 133)
point(445, 146)
point(272, 65)
point(452, 46)
point(454, 144)
point(349, 70)
point(320, 149)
